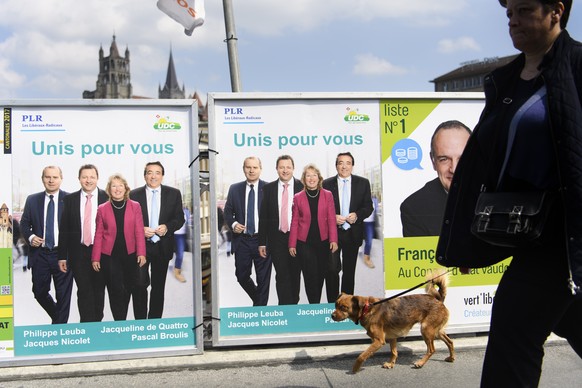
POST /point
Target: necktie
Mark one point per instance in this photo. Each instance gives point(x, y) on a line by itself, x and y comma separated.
point(251, 211)
point(285, 209)
point(87, 240)
point(345, 204)
point(49, 238)
point(154, 216)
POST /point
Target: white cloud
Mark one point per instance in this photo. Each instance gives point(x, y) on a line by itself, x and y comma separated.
point(369, 64)
point(9, 79)
point(462, 43)
point(268, 17)
point(51, 48)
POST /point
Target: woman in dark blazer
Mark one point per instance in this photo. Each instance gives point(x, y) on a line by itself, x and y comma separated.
point(119, 248)
point(313, 233)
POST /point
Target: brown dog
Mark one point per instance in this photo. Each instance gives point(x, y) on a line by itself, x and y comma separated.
point(394, 318)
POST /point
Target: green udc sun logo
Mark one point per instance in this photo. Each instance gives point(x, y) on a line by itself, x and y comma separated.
point(355, 117)
point(165, 125)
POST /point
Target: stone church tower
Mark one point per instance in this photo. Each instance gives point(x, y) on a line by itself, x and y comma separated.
point(114, 78)
point(171, 88)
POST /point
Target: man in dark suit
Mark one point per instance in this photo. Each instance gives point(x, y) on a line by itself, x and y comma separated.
point(422, 212)
point(40, 228)
point(275, 222)
point(353, 204)
point(76, 234)
point(241, 214)
point(162, 212)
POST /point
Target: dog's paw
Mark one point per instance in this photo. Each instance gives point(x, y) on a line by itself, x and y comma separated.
point(450, 359)
point(418, 365)
point(388, 365)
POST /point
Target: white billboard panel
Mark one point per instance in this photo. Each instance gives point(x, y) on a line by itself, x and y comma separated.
point(118, 137)
point(389, 137)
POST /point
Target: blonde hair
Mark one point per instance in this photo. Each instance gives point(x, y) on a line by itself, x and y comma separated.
point(313, 168)
point(120, 178)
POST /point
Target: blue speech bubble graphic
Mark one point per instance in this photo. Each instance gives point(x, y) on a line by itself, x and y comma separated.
point(407, 154)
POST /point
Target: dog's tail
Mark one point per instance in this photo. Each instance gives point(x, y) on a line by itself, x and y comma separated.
point(437, 286)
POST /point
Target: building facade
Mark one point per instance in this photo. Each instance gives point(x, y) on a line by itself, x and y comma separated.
point(469, 77)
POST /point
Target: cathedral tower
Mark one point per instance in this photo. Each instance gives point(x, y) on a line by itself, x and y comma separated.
point(114, 78)
point(171, 88)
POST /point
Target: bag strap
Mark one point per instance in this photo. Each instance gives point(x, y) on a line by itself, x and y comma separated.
point(537, 96)
point(504, 110)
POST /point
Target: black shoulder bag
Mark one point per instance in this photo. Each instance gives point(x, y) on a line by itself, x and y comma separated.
point(512, 219)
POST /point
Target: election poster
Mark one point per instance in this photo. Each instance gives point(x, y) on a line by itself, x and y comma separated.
point(422, 140)
point(47, 146)
point(389, 139)
point(312, 133)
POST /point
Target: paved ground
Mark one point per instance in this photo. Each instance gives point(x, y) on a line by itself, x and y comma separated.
point(235, 357)
point(316, 365)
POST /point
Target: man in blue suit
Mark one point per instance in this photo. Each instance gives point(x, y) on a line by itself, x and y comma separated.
point(241, 214)
point(40, 228)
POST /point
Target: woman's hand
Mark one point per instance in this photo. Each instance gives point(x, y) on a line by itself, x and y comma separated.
point(263, 252)
point(96, 266)
point(333, 247)
point(141, 260)
point(293, 252)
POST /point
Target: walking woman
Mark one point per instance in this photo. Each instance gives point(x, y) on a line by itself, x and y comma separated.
point(528, 139)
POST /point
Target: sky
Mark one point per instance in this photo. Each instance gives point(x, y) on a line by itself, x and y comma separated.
point(50, 49)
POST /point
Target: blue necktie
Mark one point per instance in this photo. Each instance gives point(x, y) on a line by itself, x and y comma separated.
point(154, 216)
point(251, 211)
point(345, 204)
point(49, 238)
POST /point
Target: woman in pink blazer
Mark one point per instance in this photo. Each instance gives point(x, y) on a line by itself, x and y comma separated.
point(119, 247)
point(313, 233)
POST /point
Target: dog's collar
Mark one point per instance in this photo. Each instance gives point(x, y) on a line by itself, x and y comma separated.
point(364, 312)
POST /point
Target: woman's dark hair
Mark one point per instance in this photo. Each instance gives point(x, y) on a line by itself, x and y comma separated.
point(550, 4)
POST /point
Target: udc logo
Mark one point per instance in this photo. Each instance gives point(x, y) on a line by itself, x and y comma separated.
point(163, 124)
point(407, 154)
